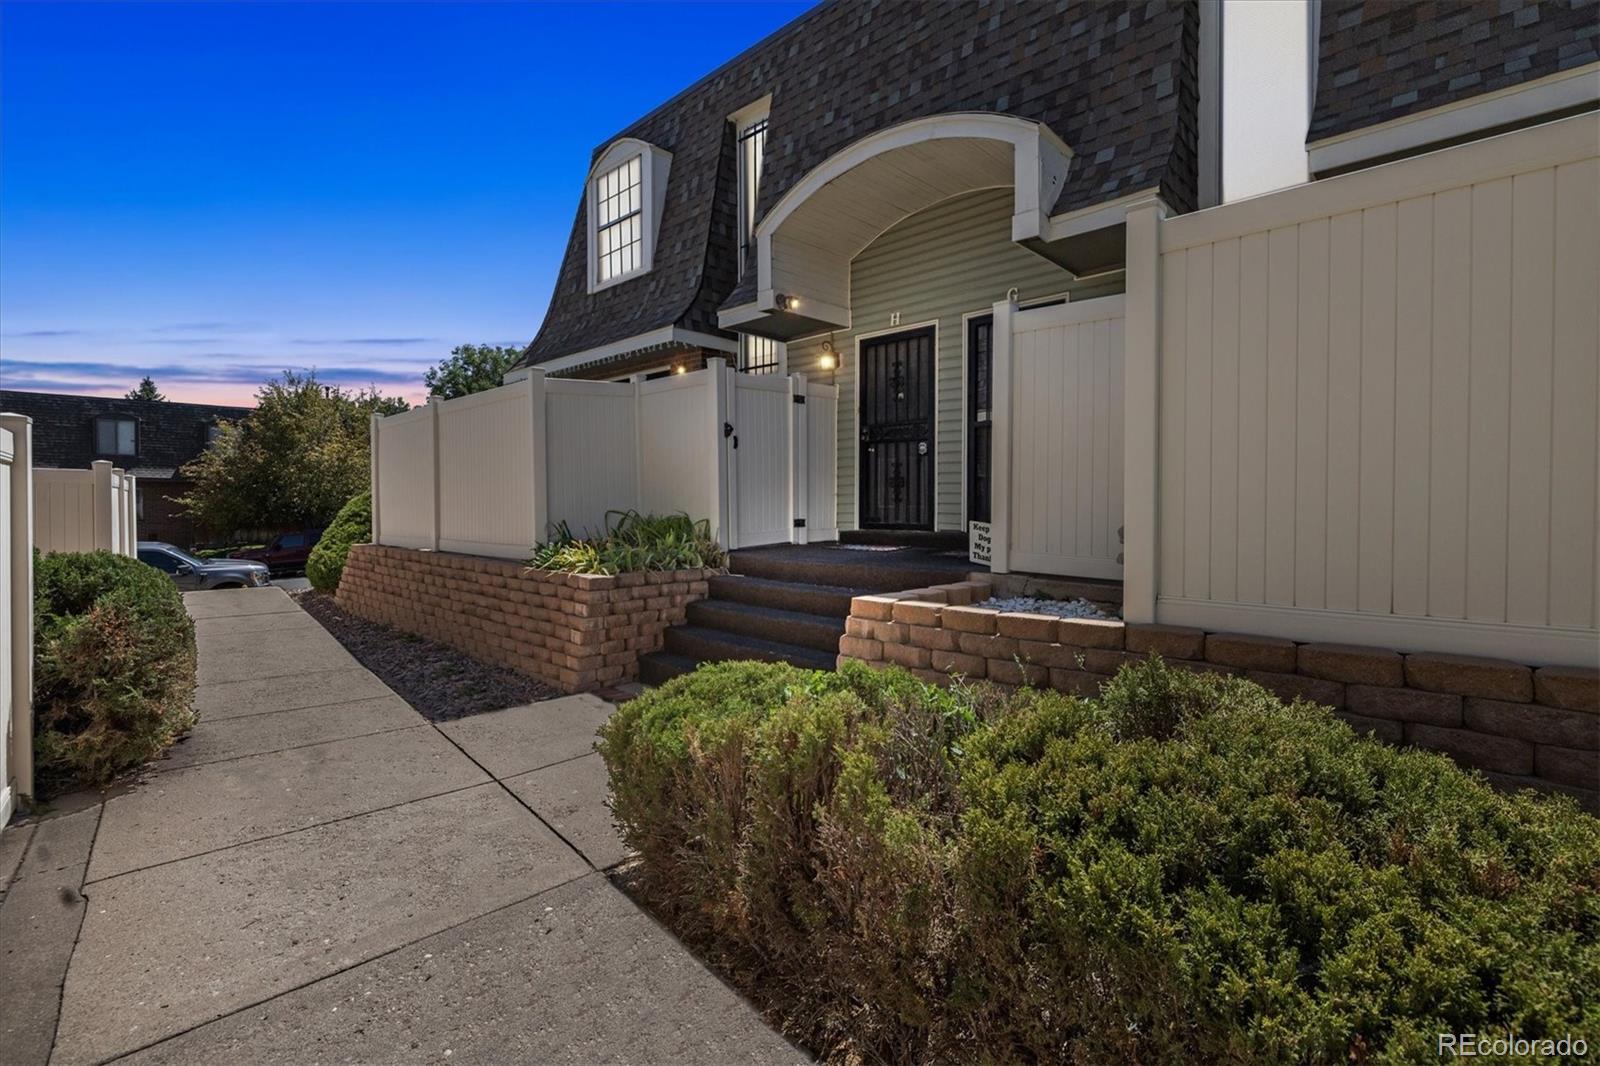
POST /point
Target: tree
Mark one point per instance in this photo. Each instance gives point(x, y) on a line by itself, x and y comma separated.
point(470, 368)
point(293, 461)
point(145, 391)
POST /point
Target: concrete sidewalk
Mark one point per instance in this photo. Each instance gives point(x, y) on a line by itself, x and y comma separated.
point(319, 874)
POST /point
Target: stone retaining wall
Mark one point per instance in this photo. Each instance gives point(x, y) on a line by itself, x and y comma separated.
point(577, 631)
point(1522, 726)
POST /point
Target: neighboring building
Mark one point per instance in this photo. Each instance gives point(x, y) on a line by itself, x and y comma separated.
point(150, 439)
point(850, 196)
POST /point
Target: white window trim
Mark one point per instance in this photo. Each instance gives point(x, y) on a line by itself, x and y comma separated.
point(782, 367)
point(743, 119)
point(654, 166)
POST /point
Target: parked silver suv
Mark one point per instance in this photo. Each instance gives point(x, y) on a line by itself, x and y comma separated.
point(192, 573)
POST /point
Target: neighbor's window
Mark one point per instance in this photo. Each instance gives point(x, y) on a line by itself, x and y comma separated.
point(619, 221)
point(115, 436)
point(752, 145)
point(760, 355)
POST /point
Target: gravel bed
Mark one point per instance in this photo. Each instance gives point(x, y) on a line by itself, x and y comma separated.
point(441, 683)
point(1034, 605)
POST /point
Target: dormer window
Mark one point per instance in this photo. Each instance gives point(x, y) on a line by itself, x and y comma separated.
point(750, 125)
point(627, 190)
point(116, 436)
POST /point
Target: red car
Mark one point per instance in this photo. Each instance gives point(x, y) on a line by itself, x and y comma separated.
point(287, 552)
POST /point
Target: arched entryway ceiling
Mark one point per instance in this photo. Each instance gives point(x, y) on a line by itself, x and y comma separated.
point(804, 244)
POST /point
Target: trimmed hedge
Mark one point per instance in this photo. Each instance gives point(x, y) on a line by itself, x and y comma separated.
point(114, 667)
point(1183, 870)
point(352, 525)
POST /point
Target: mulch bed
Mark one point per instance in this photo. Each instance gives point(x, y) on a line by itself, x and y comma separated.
point(441, 683)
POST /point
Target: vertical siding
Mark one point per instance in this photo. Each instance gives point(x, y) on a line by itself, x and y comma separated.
point(1391, 410)
point(952, 259)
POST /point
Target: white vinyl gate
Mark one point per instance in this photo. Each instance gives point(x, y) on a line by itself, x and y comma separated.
point(1058, 390)
point(780, 446)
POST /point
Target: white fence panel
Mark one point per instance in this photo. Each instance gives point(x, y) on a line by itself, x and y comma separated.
point(760, 459)
point(63, 507)
point(593, 451)
point(486, 484)
point(16, 611)
point(1378, 405)
point(821, 465)
point(405, 479)
point(479, 474)
point(1063, 417)
point(85, 510)
point(679, 437)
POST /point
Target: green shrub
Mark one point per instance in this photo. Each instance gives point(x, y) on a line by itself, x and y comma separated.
point(352, 525)
point(631, 542)
point(114, 667)
point(1184, 870)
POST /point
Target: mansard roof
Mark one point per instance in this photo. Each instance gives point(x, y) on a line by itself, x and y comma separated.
point(1115, 81)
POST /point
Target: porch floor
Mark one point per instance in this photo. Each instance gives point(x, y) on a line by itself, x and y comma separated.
point(880, 568)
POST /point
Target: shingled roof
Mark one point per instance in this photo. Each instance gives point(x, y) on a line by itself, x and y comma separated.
point(1115, 81)
point(170, 434)
point(1378, 60)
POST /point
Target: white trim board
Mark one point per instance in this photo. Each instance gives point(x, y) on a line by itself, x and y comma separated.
point(1518, 103)
point(664, 335)
point(1533, 645)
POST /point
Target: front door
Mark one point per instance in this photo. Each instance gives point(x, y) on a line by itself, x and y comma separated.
point(897, 423)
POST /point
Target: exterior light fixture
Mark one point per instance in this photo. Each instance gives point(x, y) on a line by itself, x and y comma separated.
point(679, 368)
point(829, 359)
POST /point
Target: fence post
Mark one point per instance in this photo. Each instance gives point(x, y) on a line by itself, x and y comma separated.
point(130, 521)
point(101, 471)
point(1141, 411)
point(20, 589)
point(433, 438)
point(799, 460)
point(538, 471)
point(1000, 441)
point(717, 403)
point(376, 450)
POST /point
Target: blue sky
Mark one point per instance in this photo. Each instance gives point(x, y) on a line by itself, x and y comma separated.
point(210, 193)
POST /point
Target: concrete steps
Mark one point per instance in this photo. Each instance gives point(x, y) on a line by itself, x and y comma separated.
point(788, 603)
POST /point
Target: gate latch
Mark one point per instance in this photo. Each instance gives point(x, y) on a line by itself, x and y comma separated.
point(727, 430)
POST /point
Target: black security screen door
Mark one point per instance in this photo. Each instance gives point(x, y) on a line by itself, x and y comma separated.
point(897, 431)
point(980, 408)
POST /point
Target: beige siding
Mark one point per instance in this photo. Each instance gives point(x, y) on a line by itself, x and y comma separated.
point(950, 260)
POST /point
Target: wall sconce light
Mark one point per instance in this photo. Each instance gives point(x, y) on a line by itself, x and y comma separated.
point(829, 359)
point(679, 368)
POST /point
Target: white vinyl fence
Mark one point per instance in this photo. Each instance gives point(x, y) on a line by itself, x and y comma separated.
point(16, 612)
point(492, 473)
point(1365, 409)
point(85, 510)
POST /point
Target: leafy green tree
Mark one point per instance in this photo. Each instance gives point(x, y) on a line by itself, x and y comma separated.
point(293, 461)
point(470, 368)
point(145, 391)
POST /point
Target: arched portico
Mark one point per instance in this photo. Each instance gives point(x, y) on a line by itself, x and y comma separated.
point(805, 243)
